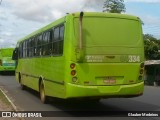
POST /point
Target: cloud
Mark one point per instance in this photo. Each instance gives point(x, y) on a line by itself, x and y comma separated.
point(6, 34)
point(151, 25)
point(1, 40)
point(3, 18)
point(6, 43)
point(25, 16)
point(151, 20)
point(49, 10)
point(3, 15)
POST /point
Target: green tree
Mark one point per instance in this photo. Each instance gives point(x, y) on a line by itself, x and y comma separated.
point(114, 6)
point(151, 47)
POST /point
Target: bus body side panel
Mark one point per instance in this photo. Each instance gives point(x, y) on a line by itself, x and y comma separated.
point(50, 69)
point(54, 77)
point(61, 66)
point(25, 73)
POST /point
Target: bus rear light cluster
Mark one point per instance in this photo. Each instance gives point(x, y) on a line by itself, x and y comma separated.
point(73, 72)
point(142, 65)
point(141, 71)
point(140, 78)
point(74, 79)
point(141, 68)
point(72, 65)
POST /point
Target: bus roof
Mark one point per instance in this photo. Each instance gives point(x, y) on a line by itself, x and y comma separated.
point(109, 15)
point(77, 14)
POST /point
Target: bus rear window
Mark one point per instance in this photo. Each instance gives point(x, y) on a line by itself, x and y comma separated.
point(101, 31)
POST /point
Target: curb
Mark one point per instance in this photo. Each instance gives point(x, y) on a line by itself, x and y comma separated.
point(12, 104)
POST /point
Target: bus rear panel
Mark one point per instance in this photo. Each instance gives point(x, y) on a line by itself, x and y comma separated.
point(6, 62)
point(112, 60)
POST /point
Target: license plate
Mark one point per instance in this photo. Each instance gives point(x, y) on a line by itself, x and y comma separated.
point(10, 64)
point(110, 80)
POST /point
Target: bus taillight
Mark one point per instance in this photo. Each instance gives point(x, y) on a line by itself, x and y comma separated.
point(73, 72)
point(72, 65)
point(142, 65)
point(141, 68)
point(141, 71)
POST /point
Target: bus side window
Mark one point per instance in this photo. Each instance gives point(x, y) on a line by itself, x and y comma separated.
point(24, 50)
point(45, 44)
point(56, 34)
point(32, 47)
point(35, 46)
point(62, 32)
point(50, 42)
point(58, 40)
point(48, 45)
point(55, 39)
point(15, 54)
point(20, 50)
point(29, 48)
point(61, 39)
point(39, 47)
point(44, 41)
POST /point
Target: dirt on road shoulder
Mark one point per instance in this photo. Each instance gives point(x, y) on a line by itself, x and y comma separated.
point(5, 105)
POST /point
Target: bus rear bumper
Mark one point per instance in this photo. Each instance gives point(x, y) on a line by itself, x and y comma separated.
point(131, 90)
point(7, 68)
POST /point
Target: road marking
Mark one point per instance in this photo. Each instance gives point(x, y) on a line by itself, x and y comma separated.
point(10, 101)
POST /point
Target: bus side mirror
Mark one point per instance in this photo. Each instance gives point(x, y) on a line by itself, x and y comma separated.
point(15, 54)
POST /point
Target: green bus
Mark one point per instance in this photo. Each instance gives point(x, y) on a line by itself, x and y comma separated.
point(6, 62)
point(83, 55)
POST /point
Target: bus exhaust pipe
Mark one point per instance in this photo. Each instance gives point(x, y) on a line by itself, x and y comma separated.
point(80, 53)
point(80, 31)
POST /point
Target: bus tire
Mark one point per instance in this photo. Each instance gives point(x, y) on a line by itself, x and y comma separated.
point(43, 97)
point(23, 87)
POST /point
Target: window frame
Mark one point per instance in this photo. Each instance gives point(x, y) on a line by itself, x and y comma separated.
point(34, 46)
point(57, 42)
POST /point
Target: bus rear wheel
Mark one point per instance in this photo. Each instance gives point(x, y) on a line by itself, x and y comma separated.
point(43, 97)
point(23, 87)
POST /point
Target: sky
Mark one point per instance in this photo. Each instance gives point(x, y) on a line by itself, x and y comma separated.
point(19, 18)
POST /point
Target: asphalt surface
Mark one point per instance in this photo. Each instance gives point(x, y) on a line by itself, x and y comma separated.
point(28, 100)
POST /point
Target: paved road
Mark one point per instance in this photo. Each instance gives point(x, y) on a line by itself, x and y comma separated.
point(28, 100)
